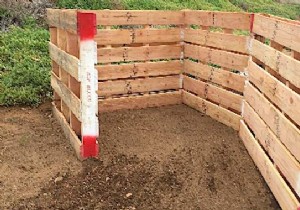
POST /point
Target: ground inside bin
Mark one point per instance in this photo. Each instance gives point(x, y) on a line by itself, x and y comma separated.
point(170, 157)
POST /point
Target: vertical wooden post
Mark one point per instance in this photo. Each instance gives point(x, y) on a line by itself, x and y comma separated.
point(89, 84)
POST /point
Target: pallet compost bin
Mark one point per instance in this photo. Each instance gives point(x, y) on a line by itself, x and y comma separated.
point(240, 69)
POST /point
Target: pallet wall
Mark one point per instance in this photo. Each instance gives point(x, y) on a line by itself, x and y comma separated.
point(216, 55)
point(139, 58)
point(271, 113)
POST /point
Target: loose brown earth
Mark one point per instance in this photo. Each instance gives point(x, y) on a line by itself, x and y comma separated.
point(166, 158)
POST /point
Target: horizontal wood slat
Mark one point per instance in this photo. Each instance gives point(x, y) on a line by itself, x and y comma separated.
point(214, 111)
point(285, 98)
point(213, 93)
point(122, 54)
point(63, 19)
point(285, 65)
point(66, 61)
point(285, 131)
point(278, 186)
point(117, 87)
point(69, 98)
point(122, 71)
point(219, 76)
point(222, 41)
point(281, 157)
point(69, 133)
point(219, 57)
point(140, 102)
point(133, 36)
point(138, 17)
point(229, 20)
point(286, 33)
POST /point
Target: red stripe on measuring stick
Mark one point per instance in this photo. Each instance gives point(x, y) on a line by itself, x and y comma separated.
point(89, 147)
point(86, 25)
point(251, 21)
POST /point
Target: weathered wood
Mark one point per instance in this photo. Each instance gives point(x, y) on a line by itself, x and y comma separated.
point(223, 58)
point(281, 157)
point(132, 70)
point(140, 102)
point(133, 36)
point(219, 76)
point(285, 98)
point(278, 30)
point(63, 19)
point(222, 41)
point(229, 20)
point(214, 111)
point(68, 62)
point(285, 131)
point(69, 133)
point(278, 186)
point(69, 98)
point(213, 93)
point(139, 85)
point(138, 17)
point(284, 65)
point(121, 54)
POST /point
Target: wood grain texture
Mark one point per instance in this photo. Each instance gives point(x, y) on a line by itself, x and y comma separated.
point(63, 19)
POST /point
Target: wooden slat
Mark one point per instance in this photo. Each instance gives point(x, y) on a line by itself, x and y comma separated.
point(278, 30)
point(214, 111)
point(121, 54)
point(222, 41)
point(214, 93)
point(286, 131)
point(228, 20)
point(223, 58)
point(285, 98)
point(69, 133)
point(117, 87)
point(140, 102)
point(161, 68)
point(63, 19)
point(281, 157)
point(133, 36)
point(284, 65)
point(219, 76)
point(66, 61)
point(69, 98)
point(278, 186)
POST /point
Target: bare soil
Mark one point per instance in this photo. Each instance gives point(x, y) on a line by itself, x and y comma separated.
point(158, 158)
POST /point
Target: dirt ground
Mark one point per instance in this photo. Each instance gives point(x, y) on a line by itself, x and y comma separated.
point(158, 158)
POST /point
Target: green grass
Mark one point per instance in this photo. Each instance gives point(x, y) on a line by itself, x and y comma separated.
point(24, 59)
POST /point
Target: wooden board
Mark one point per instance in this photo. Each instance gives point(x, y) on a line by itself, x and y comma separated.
point(285, 131)
point(278, 186)
point(68, 97)
point(144, 53)
point(66, 61)
point(133, 36)
point(138, 17)
point(278, 30)
point(219, 76)
point(214, 111)
point(69, 133)
point(281, 95)
point(229, 20)
point(63, 19)
point(117, 87)
point(282, 158)
point(213, 93)
point(140, 102)
point(132, 70)
point(222, 41)
point(223, 58)
point(284, 65)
